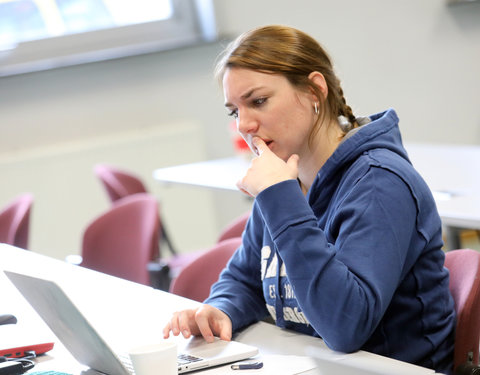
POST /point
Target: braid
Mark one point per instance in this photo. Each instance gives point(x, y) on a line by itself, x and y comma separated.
point(347, 111)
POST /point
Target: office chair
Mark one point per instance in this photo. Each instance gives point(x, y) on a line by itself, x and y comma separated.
point(464, 267)
point(235, 228)
point(15, 221)
point(195, 280)
point(121, 241)
point(119, 183)
point(232, 230)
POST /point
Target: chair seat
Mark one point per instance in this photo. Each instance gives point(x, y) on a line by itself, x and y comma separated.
point(195, 280)
point(178, 262)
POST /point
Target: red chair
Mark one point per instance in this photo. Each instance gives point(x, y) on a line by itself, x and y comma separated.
point(235, 228)
point(195, 280)
point(118, 184)
point(15, 221)
point(120, 241)
point(464, 267)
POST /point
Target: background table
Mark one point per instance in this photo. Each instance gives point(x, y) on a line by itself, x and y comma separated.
point(451, 171)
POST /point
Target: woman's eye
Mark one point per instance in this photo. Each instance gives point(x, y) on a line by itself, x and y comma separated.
point(233, 113)
point(259, 101)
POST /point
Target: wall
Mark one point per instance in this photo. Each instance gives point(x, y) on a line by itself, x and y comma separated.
point(144, 112)
point(420, 57)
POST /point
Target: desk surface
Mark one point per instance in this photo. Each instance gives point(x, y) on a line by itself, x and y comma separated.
point(217, 174)
point(140, 313)
point(451, 172)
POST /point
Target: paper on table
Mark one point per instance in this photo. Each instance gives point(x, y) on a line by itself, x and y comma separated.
point(272, 364)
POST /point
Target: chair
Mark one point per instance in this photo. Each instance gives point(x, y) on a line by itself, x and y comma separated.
point(15, 221)
point(464, 267)
point(195, 280)
point(232, 230)
point(120, 242)
point(235, 228)
point(119, 184)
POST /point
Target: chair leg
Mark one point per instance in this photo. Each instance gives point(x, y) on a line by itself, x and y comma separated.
point(453, 241)
point(159, 275)
point(467, 368)
point(167, 240)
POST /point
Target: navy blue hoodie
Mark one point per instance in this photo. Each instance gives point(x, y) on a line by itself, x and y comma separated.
point(357, 262)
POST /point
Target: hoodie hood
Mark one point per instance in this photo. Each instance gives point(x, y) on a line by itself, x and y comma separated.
point(382, 132)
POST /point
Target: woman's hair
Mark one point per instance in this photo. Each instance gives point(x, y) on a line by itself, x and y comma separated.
point(294, 54)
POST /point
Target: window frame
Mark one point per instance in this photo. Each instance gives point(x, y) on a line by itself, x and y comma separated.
point(192, 22)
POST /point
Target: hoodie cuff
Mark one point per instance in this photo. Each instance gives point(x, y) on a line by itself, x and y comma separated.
point(283, 205)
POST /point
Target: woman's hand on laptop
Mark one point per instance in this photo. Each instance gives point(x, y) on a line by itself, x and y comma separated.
point(206, 320)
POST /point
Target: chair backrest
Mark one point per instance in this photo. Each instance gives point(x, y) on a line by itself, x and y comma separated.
point(15, 221)
point(195, 280)
point(235, 228)
point(118, 183)
point(119, 242)
point(464, 267)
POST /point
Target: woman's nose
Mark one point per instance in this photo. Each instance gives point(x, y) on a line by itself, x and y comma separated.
point(246, 124)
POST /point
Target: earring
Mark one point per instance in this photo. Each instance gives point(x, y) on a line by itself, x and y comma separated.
point(315, 108)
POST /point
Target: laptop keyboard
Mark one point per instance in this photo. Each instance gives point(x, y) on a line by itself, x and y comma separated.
point(126, 362)
point(184, 359)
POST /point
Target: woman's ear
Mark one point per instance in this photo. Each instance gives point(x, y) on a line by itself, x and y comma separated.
point(319, 80)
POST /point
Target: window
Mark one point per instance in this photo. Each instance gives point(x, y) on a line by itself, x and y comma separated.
point(44, 34)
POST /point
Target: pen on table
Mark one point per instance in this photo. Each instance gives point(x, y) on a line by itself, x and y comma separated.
point(247, 366)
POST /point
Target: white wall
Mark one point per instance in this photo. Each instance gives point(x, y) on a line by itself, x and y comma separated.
point(420, 57)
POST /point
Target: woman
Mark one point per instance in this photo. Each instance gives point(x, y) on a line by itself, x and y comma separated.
point(344, 241)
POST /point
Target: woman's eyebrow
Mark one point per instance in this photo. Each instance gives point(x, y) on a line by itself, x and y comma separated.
point(245, 96)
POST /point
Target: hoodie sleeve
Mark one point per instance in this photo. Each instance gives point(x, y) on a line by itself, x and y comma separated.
point(238, 292)
point(344, 280)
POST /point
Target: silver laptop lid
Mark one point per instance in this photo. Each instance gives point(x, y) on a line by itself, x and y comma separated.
point(67, 323)
point(90, 349)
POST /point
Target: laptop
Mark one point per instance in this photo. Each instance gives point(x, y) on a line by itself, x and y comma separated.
point(88, 348)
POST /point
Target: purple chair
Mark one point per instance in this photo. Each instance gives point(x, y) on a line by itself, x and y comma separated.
point(15, 221)
point(464, 267)
point(235, 228)
point(121, 241)
point(195, 280)
point(118, 184)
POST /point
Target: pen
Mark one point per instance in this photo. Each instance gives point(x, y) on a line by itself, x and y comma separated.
point(247, 366)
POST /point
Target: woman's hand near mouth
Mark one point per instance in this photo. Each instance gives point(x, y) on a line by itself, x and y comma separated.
point(267, 169)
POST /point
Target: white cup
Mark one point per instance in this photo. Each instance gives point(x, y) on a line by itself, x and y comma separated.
point(155, 359)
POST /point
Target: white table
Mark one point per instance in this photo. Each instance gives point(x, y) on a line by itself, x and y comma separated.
point(217, 174)
point(451, 171)
point(121, 310)
point(453, 174)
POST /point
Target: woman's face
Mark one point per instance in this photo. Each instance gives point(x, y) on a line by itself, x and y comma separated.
point(269, 107)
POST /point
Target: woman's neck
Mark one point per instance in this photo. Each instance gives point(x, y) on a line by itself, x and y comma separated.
point(324, 144)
